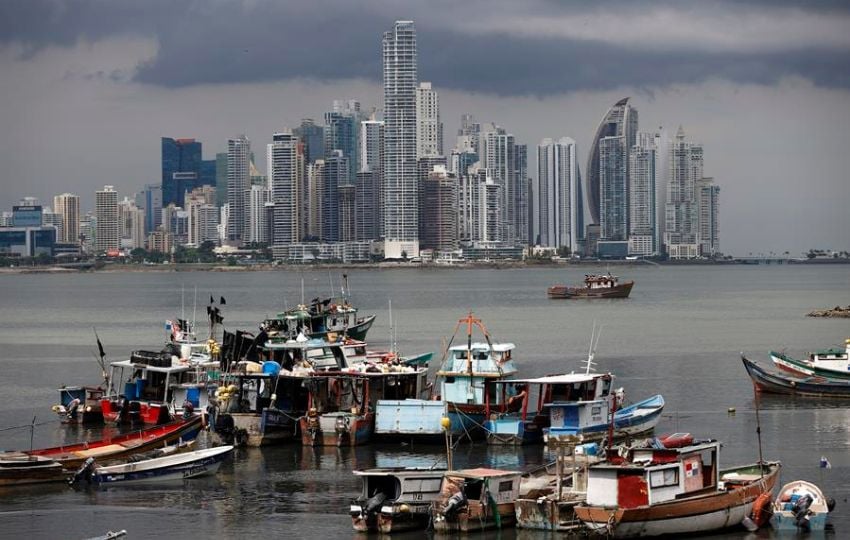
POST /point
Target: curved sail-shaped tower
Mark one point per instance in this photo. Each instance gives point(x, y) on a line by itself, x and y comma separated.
point(620, 120)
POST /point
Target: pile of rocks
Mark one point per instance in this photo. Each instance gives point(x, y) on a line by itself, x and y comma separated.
point(837, 311)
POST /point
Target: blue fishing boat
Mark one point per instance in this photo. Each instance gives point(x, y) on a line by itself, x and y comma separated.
point(592, 419)
point(527, 425)
point(462, 397)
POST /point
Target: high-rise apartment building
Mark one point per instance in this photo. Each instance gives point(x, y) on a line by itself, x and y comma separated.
point(681, 231)
point(708, 195)
point(220, 179)
point(238, 186)
point(613, 189)
point(151, 202)
point(286, 168)
point(367, 193)
point(429, 128)
point(313, 138)
point(257, 223)
point(346, 208)
point(371, 145)
point(67, 205)
point(506, 163)
point(131, 225)
point(106, 212)
point(643, 177)
point(342, 133)
point(400, 201)
point(204, 215)
point(335, 175)
point(438, 208)
point(621, 120)
point(557, 199)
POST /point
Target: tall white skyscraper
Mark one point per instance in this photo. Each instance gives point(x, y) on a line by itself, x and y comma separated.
point(106, 212)
point(401, 197)
point(429, 128)
point(681, 235)
point(131, 224)
point(708, 195)
point(506, 163)
point(557, 195)
point(258, 224)
point(67, 205)
point(238, 186)
point(371, 145)
point(285, 169)
point(643, 174)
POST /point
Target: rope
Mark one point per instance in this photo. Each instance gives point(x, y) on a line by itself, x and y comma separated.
point(29, 426)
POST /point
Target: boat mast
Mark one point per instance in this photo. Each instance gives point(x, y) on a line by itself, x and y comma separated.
point(758, 429)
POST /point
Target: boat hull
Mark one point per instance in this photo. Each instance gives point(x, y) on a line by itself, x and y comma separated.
point(358, 331)
point(545, 514)
point(639, 418)
point(766, 381)
point(40, 472)
point(564, 292)
point(513, 432)
point(263, 429)
point(714, 512)
point(337, 429)
point(477, 517)
point(180, 467)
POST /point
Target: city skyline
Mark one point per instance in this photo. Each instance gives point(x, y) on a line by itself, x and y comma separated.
point(769, 132)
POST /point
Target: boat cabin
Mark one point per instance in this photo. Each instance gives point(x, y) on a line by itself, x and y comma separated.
point(309, 354)
point(412, 485)
point(654, 475)
point(466, 368)
point(600, 281)
point(834, 359)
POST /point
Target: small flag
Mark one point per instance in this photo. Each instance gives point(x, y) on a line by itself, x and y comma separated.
point(168, 325)
point(100, 348)
point(222, 301)
point(824, 463)
point(212, 300)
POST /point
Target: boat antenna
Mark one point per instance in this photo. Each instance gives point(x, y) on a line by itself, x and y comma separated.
point(194, 312)
point(302, 289)
point(591, 352)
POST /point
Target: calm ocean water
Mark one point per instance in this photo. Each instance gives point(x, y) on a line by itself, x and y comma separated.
point(680, 334)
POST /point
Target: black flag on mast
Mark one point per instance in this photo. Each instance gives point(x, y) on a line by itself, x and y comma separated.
point(222, 302)
point(212, 300)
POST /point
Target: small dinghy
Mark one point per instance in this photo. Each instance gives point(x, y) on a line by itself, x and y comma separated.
point(801, 506)
point(178, 466)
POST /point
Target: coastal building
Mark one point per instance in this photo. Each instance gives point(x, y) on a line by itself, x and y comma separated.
point(160, 241)
point(27, 241)
point(621, 120)
point(335, 174)
point(203, 215)
point(106, 210)
point(29, 213)
point(400, 200)
point(181, 168)
point(286, 167)
point(438, 211)
point(150, 200)
point(313, 215)
point(220, 179)
point(681, 231)
point(643, 173)
point(506, 162)
point(88, 231)
point(342, 131)
point(708, 195)
point(312, 136)
point(131, 225)
point(49, 218)
point(367, 192)
point(429, 128)
point(238, 186)
point(347, 219)
point(258, 229)
point(557, 197)
point(67, 205)
point(613, 189)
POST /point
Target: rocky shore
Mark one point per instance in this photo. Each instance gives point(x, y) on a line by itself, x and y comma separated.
point(836, 312)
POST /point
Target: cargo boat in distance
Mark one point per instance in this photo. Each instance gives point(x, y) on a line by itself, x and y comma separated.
point(595, 286)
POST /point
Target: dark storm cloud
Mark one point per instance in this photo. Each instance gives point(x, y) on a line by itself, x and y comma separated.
point(261, 40)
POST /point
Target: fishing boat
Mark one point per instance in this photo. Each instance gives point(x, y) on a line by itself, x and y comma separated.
point(595, 286)
point(117, 446)
point(652, 491)
point(774, 382)
point(462, 378)
point(833, 362)
point(594, 419)
point(178, 466)
point(16, 470)
point(476, 499)
point(395, 499)
point(801, 506)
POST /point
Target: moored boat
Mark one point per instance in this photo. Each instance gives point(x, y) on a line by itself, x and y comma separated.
point(774, 382)
point(21, 469)
point(395, 499)
point(178, 466)
point(671, 491)
point(593, 419)
point(595, 286)
point(833, 362)
point(117, 446)
point(801, 506)
point(476, 499)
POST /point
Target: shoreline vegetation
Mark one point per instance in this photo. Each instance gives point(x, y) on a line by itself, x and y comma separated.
point(101, 266)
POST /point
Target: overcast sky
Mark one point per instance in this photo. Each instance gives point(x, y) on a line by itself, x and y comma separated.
point(87, 88)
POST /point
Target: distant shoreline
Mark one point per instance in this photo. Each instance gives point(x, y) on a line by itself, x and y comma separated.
point(266, 267)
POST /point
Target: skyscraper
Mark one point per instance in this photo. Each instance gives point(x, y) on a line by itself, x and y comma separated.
point(643, 176)
point(131, 225)
point(621, 120)
point(681, 234)
point(429, 128)
point(401, 210)
point(106, 211)
point(708, 195)
point(151, 202)
point(67, 205)
point(613, 189)
point(220, 179)
point(342, 131)
point(313, 138)
point(257, 222)
point(238, 184)
point(181, 168)
point(285, 168)
point(438, 196)
point(506, 164)
point(335, 175)
point(557, 196)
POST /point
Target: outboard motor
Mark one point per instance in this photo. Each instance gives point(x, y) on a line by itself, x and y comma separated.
point(830, 504)
point(455, 503)
point(374, 504)
point(73, 407)
point(85, 472)
point(801, 511)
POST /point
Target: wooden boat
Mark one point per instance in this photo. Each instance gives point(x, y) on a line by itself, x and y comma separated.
point(395, 499)
point(777, 383)
point(592, 419)
point(21, 469)
point(801, 506)
point(833, 363)
point(595, 286)
point(527, 425)
point(319, 319)
point(178, 466)
point(461, 397)
point(671, 491)
point(118, 446)
point(476, 499)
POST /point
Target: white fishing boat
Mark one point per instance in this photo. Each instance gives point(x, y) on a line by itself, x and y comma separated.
point(178, 466)
point(801, 506)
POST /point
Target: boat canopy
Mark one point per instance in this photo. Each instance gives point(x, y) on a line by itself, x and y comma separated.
point(481, 472)
point(567, 378)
